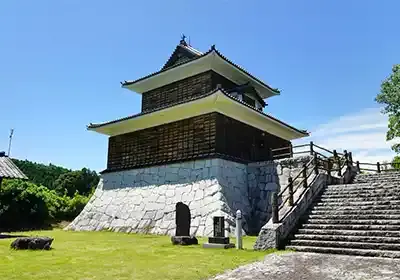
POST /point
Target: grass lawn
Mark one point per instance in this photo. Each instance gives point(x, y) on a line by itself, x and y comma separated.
point(109, 255)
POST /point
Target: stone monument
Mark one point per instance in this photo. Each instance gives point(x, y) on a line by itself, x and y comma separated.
point(182, 220)
point(219, 240)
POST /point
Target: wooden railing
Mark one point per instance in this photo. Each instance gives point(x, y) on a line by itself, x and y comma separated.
point(324, 153)
point(291, 188)
point(380, 166)
point(322, 159)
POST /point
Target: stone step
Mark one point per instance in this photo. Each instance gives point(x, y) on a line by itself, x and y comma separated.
point(363, 190)
point(378, 176)
point(358, 203)
point(363, 187)
point(346, 251)
point(387, 233)
point(361, 199)
point(363, 216)
point(354, 221)
point(352, 227)
point(331, 207)
point(382, 193)
point(392, 174)
point(372, 179)
point(376, 179)
point(344, 244)
point(348, 238)
point(355, 212)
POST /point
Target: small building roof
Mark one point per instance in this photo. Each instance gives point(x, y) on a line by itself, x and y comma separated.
point(9, 170)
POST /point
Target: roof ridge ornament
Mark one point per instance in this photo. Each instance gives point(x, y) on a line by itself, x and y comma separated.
point(183, 40)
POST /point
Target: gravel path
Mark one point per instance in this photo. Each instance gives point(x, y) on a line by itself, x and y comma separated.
point(310, 266)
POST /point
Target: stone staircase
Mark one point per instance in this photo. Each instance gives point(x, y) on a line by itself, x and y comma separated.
point(362, 218)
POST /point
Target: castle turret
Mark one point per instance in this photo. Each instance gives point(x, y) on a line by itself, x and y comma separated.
point(199, 105)
point(201, 139)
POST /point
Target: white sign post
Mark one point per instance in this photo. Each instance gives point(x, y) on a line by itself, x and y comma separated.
point(239, 244)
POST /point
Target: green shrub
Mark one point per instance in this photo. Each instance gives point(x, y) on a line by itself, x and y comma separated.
point(24, 205)
point(73, 206)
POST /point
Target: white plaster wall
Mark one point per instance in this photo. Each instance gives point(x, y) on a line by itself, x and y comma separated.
point(143, 200)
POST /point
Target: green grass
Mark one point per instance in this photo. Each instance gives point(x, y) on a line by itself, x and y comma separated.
point(109, 255)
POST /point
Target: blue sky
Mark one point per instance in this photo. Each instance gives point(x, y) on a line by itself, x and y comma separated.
point(61, 63)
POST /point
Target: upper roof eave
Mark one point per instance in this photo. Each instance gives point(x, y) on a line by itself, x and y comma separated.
point(212, 50)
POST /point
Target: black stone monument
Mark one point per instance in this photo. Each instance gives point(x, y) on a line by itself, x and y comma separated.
point(182, 232)
point(219, 240)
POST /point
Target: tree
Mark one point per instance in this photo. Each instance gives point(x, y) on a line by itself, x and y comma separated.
point(83, 182)
point(396, 162)
point(390, 97)
point(60, 179)
point(41, 174)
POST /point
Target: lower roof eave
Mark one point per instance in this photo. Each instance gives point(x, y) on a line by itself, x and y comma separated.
point(217, 101)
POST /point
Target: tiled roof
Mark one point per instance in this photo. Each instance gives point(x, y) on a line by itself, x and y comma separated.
point(196, 98)
point(186, 51)
point(126, 83)
point(9, 170)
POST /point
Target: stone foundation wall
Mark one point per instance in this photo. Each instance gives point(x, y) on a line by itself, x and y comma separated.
point(143, 200)
point(267, 177)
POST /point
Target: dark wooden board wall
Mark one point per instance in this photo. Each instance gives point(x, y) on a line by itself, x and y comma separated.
point(186, 89)
point(205, 136)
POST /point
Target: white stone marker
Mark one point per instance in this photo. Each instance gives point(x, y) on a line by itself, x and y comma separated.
point(239, 245)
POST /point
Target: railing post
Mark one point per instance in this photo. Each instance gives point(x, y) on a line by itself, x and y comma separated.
point(358, 166)
point(337, 160)
point(346, 158)
point(290, 187)
point(315, 164)
point(351, 157)
point(311, 148)
point(275, 210)
point(378, 165)
point(305, 175)
point(338, 163)
point(271, 156)
point(329, 167)
point(291, 150)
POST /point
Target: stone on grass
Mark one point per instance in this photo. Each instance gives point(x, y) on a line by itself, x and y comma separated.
point(184, 240)
point(32, 243)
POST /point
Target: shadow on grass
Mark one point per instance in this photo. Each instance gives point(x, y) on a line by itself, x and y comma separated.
point(4, 236)
point(7, 231)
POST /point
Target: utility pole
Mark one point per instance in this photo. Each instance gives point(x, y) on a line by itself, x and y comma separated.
point(9, 143)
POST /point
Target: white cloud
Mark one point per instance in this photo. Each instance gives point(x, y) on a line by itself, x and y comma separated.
point(362, 133)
